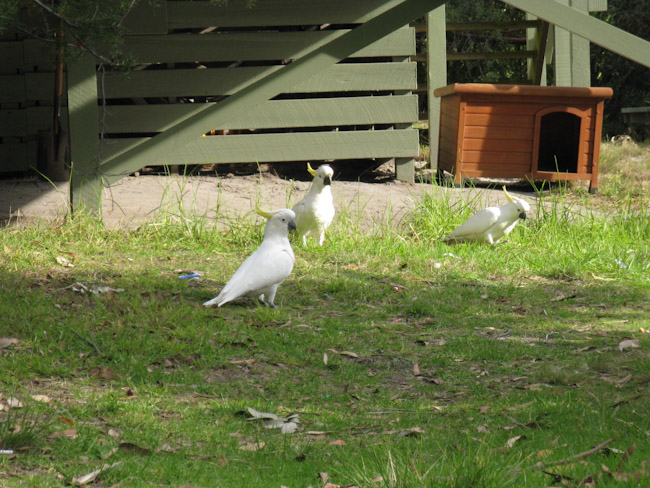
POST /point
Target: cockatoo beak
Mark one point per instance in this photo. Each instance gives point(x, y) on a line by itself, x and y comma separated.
point(292, 225)
point(327, 180)
point(508, 195)
point(262, 213)
point(311, 170)
point(522, 215)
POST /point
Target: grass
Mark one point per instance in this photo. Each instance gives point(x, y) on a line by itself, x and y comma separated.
point(459, 366)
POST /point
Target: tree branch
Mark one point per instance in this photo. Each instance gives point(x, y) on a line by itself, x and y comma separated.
point(55, 13)
point(582, 455)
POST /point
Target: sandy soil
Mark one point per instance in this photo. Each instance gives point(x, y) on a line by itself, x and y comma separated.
point(134, 200)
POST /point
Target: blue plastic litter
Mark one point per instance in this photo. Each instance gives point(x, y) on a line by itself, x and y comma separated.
point(190, 276)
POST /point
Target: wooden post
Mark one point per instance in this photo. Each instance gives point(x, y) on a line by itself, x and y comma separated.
point(85, 180)
point(436, 76)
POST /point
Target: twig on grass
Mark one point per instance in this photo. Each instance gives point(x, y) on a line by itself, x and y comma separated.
point(86, 340)
point(582, 455)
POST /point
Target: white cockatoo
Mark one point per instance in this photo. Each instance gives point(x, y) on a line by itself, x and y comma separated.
point(492, 223)
point(315, 212)
point(263, 271)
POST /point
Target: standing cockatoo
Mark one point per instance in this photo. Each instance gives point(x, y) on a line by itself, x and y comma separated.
point(263, 271)
point(492, 223)
point(315, 212)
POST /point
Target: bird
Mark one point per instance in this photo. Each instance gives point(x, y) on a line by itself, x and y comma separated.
point(314, 213)
point(492, 223)
point(271, 263)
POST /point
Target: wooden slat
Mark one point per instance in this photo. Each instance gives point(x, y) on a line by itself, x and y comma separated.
point(13, 123)
point(12, 88)
point(498, 159)
point(298, 146)
point(39, 56)
point(313, 112)
point(40, 118)
point(491, 55)
point(11, 58)
point(13, 157)
point(40, 86)
point(182, 15)
point(503, 133)
point(254, 46)
point(485, 120)
point(517, 145)
point(226, 81)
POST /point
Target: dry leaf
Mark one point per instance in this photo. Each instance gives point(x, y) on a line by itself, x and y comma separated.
point(324, 477)
point(133, 448)
point(65, 420)
point(114, 433)
point(416, 369)
point(338, 442)
point(483, 428)
point(247, 362)
point(64, 262)
point(68, 434)
point(484, 409)
point(41, 398)
point(14, 403)
point(325, 358)
point(102, 373)
point(512, 440)
point(7, 250)
point(628, 343)
point(87, 478)
point(8, 342)
point(251, 446)
point(411, 432)
point(624, 379)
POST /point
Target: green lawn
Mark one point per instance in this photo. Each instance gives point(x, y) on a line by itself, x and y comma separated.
point(409, 362)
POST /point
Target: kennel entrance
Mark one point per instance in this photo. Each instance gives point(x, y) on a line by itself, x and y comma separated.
point(520, 131)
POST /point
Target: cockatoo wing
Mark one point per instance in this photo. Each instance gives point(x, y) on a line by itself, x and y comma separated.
point(270, 264)
point(477, 225)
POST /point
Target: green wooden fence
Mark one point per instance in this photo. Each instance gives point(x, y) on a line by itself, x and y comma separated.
point(361, 108)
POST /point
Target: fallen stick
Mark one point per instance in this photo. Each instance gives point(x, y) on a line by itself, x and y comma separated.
point(582, 455)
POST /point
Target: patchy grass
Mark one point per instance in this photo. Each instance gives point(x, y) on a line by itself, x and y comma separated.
point(408, 362)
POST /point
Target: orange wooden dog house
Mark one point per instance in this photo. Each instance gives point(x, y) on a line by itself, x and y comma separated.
point(518, 131)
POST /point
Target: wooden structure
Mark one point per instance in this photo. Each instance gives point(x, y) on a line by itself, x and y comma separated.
point(518, 131)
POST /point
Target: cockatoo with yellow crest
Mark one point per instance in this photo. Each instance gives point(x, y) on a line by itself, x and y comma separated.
point(492, 223)
point(314, 213)
point(271, 263)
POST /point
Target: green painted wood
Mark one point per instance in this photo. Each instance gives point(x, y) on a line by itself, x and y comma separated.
point(524, 54)
point(13, 123)
point(85, 181)
point(297, 146)
point(40, 87)
point(227, 81)
point(436, 76)
point(12, 88)
point(146, 17)
point(590, 28)
point(580, 59)
point(255, 46)
point(236, 13)
point(597, 5)
point(275, 83)
point(311, 112)
point(13, 157)
point(38, 56)
point(40, 118)
point(11, 58)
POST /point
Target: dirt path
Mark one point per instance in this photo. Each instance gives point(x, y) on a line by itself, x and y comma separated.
point(134, 200)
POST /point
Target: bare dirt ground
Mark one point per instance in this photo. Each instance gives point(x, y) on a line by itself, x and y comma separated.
point(134, 200)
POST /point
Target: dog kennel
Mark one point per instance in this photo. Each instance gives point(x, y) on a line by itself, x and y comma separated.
point(519, 131)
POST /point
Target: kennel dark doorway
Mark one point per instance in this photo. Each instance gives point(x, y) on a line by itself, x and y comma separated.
point(559, 142)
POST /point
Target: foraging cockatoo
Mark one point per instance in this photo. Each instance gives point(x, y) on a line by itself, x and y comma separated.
point(492, 223)
point(315, 212)
point(263, 271)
